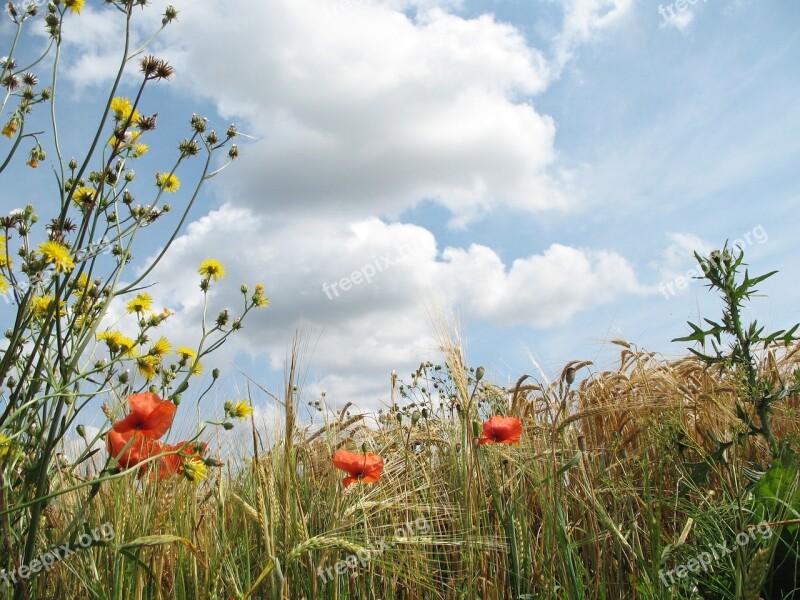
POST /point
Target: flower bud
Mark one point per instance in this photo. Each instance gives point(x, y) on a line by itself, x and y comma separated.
point(227, 425)
point(81, 431)
point(479, 372)
point(215, 374)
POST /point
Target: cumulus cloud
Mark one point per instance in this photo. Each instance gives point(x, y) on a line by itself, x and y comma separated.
point(370, 111)
point(374, 319)
point(365, 110)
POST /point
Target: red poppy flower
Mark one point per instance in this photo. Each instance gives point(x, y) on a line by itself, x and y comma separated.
point(150, 416)
point(149, 419)
point(501, 430)
point(366, 468)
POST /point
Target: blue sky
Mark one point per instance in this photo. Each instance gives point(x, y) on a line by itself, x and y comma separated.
point(537, 167)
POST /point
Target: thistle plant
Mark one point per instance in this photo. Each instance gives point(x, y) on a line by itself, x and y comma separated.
point(64, 273)
point(738, 352)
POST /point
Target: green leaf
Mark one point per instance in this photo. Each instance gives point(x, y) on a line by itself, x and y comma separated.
point(778, 489)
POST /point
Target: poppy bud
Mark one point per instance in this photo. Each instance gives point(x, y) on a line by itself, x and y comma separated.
point(153, 389)
point(176, 399)
point(364, 447)
point(215, 374)
point(424, 413)
point(569, 376)
point(479, 373)
point(81, 431)
point(415, 417)
point(227, 425)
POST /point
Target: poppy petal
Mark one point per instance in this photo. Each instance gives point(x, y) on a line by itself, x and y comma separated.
point(348, 462)
point(158, 422)
point(144, 402)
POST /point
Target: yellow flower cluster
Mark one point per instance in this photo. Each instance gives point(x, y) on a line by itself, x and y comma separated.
point(5, 263)
point(123, 111)
point(117, 342)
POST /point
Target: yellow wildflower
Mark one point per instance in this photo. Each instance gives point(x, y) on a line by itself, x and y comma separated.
point(123, 111)
point(117, 342)
point(195, 470)
point(186, 352)
point(259, 299)
point(139, 150)
point(241, 410)
point(57, 254)
point(3, 284)
point(82, 285)
point(161, 347)
point(75, 5)
point(141, 303)
point(11, 127)
point(148, 366)
point(168, 182)
point(44, 305)
point(211, 269)
point(83, 196)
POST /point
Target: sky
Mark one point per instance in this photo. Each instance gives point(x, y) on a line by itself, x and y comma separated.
point(541, 171)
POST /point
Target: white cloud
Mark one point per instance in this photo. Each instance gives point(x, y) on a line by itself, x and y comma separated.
point(584, 20)
point(369, 111)
point(372, 326)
